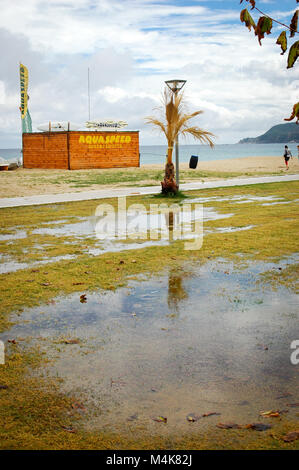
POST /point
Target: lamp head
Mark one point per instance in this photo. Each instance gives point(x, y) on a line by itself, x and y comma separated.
point(175, 85)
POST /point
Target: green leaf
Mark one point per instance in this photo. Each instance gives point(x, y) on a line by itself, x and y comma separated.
point(264, 25)
point(282, 41)
point(246, 18)
point(293, 54)
point(294, 24)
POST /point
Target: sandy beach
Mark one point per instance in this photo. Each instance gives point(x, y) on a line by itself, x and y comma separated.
point(27, 182)
point(245, 164)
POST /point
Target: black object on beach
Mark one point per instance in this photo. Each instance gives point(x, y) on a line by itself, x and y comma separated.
point(193, 161)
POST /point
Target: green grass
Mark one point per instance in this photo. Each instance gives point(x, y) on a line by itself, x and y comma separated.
point(20, 182)
point(133, 176)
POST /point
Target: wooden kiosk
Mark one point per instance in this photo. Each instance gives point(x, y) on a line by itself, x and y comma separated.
point(76, 150)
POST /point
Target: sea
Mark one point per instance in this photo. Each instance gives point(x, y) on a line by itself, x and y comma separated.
point(156, 154)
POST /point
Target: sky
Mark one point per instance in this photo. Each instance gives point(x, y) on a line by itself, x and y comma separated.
point(131, 47)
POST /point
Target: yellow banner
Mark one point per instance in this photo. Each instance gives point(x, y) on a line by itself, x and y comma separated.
point(24, 88)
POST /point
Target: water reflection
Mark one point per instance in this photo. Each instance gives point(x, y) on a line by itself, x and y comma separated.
point(176, 290)
point(136, 357)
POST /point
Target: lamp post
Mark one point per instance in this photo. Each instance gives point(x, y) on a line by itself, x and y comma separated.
point(175, 86)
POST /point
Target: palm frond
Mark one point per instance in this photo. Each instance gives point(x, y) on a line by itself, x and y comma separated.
point(175, 121)
point(155, 122)
point(199, 134)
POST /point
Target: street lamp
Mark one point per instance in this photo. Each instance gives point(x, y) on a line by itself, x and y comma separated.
point(175, 86)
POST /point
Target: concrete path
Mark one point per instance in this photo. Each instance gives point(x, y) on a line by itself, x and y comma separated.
point(107, 193)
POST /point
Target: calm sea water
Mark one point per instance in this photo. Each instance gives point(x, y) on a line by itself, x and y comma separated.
point(157, 153)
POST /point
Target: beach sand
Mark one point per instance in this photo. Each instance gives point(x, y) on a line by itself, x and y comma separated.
point(245, 164)
point(27, 182)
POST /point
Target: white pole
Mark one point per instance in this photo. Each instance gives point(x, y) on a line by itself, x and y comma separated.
point(88, 87)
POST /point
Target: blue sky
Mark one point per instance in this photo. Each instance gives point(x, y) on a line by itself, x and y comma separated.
point(131, 48)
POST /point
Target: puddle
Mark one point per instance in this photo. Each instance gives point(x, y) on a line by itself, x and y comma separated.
point(230, 229)
point(83, 229)
point(128, 224)
point(200, 340)
point(258, 199)
point(238, 199)
point(128, 231)
point(279, 202)
point(13, 236)
point(11, 265)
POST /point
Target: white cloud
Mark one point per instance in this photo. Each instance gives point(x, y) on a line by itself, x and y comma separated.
point(131, 47)
point(2, 92)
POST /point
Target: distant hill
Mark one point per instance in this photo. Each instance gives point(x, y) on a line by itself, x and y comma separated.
point(280, 134)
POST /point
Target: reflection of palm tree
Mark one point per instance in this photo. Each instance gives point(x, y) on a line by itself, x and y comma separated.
point(176, 291)
point(175, 123)
point(169, 218)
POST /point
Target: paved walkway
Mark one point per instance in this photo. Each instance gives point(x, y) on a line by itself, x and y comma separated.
point(107, 193)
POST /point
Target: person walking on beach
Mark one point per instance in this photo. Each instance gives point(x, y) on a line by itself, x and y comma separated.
point(287, 154)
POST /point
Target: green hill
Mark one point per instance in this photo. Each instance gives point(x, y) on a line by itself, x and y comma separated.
point(280, 134)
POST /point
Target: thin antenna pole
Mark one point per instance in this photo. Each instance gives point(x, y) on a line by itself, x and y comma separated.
point(88, 87)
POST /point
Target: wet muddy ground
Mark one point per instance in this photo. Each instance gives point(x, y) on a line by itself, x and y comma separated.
point(199, 340)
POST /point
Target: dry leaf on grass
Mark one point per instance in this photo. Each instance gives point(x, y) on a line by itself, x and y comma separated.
point(213, 413)
point(160, 419)
point(284, 395)
point(69, 429)
point(270, 414)
point(71, 341)
point(133, 417)
point(192, 417)
point(78, 406)
point(291, 436)
point(258, 426)
point(228, 426)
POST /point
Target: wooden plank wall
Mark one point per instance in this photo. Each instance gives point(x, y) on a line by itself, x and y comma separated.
point(45, 150)
point(104, 149)
point(81, 150)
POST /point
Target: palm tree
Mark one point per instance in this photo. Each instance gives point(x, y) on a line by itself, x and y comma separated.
point(176, 122)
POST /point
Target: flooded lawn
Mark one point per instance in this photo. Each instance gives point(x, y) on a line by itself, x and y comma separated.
point(198, 340)
point(130, 231)
point(69, 237)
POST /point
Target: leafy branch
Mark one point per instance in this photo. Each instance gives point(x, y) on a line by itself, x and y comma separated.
point(264, 26)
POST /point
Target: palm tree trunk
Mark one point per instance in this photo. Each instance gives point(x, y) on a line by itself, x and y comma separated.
point(169, 184)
